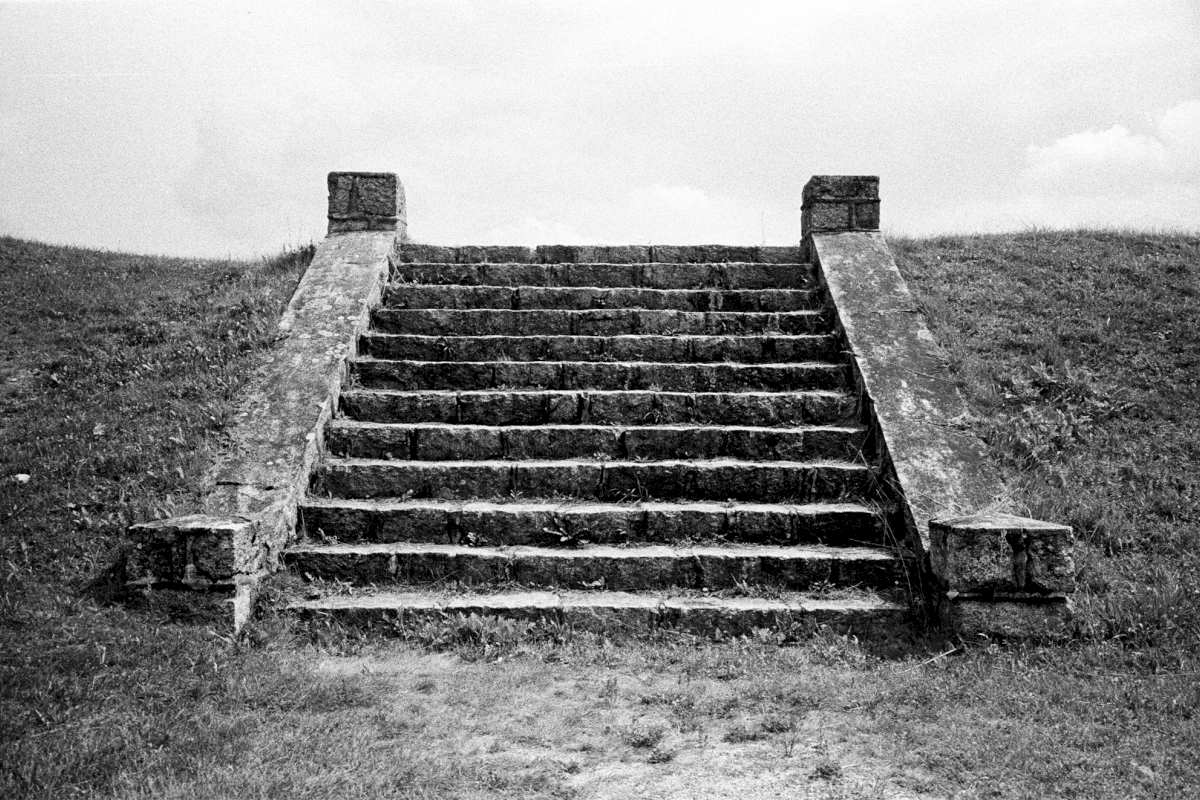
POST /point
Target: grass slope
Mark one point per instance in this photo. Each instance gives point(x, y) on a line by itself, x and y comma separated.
point(1076, 352)
point(1079, 355)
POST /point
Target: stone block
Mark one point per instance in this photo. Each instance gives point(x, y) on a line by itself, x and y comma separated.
point(1013, 616)
point(866, 216)
point(993, 552)
point(498, 254)
point(196, 550)
point(366, 201)
point(780, 255)
point(702, 254)
point(825, 217)
point(841, 187)
point(426, 254)
point(556, 254)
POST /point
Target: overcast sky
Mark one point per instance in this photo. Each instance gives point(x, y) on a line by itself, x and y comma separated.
point(207, 129)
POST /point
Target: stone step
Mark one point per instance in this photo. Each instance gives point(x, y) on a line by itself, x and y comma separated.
point(672, 349)
point(533, 523)
point(643, 568)
point(419, 295)
point(451, 442)
point(613, 407)
point(769, 481)
point(614, 613)
point(612, 276)
point(590, 254)
point(593, 322)
point(605, 375)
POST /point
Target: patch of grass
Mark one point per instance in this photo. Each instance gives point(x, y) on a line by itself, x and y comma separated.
point(119, 374)
point(644, 738)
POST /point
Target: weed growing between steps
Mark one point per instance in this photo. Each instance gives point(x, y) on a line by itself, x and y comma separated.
point(114, 422)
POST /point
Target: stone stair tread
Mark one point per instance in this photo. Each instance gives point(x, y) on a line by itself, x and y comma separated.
point(801, 337)
point(535, 406)
point(577, 506)
point(675, 348)
point(606, 274)
point(354, 424)
point(547, 313)
point(445, 266)
point(498, 463)
point(797, 552)
point(649, 375)
point(424, 295)
point(778, 365)
point(593, 321)
point(570, 254)
point(767, 395)
point(501, 601)
point(620, 613)
point(505, 520)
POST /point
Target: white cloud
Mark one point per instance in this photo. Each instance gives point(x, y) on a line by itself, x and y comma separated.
point(1116, 157)
point(1116, 176)
point(1096, 158)
point(1180, 131)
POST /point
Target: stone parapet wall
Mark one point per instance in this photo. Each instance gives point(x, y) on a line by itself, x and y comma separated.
point(276, 438)
point(985, 571)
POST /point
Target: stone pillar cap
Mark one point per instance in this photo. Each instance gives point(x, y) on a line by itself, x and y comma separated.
point(841, 187)
point(366, 201)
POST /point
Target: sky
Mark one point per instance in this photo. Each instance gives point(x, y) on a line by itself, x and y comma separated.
point(207, 129)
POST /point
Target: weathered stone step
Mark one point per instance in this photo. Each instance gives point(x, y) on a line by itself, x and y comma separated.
point(419, 295)
point(609, 275)
point(679, 349)
point(531, 523)
point(771, 481)
point(452, 442)
point(593, 322)
point(647, 567)
point(615, 613)
point(590, 254)
point(613, 407)
point(609, 375)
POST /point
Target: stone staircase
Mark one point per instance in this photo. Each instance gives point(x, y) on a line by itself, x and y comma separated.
point(625, 438)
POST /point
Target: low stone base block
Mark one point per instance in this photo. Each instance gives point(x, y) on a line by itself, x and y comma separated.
point(993, 552)
point(1005, 616)
point(196, 551)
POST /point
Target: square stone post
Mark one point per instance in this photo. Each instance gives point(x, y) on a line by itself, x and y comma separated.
point(367, 201)
point(837, 203)
point(1002, 575)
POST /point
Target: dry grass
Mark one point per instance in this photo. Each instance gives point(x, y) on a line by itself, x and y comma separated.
point(1077, 354)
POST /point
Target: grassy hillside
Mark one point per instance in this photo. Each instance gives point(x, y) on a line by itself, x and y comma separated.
point(1077, 353)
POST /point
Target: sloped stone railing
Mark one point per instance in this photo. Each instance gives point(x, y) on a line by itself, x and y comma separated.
point(250, 510)
point(990, 572)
